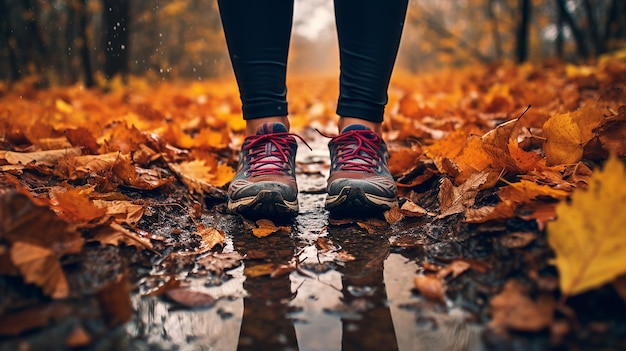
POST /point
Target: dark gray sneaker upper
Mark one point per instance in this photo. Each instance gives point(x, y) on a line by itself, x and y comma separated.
point(265, 181)
point(359, 174)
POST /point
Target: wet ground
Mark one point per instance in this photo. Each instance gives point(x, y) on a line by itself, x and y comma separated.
point(326, 284)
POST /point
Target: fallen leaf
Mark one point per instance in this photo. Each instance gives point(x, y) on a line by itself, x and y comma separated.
point(373, 225)
point(210, 237)
point(190, 298)
point(201, 178)
point(75, 207)
point(259, 270)
point(122, 210)
point(393, 215)
point(218, 262)
point(411, 209)
point(114, 234)
point(524, 191)
point(82, 137)
point(430, 287)
point(512, 309)
point(589, 235)
point(457, 199)
point(23, 221)
point(46, 158)
point(266, 227)
point(564, 142)
point(40, 266)
point(455, 268)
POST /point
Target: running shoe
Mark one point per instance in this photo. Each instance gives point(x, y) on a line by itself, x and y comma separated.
point(265, 182)
point(359, 175)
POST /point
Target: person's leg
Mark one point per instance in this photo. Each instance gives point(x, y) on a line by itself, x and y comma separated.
point(369, 36)
point(257, 34)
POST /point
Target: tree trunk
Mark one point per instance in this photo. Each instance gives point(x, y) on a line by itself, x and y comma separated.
point(84, 47)
point(495, 33)
point(116, 22)
point(523, 23)
point(8, 42)
point(559, 42)
point(598, 44)
point(583, 52)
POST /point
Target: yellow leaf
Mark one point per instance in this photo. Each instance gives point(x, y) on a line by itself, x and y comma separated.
point(564, 144)
point(211, 237)
point(266, 227)
point(589, 235)
point(200, 177)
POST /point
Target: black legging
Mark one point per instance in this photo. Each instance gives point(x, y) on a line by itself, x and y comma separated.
point(258, 32)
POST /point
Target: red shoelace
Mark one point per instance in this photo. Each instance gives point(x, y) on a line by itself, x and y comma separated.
point(357, 150)
point(269, 154)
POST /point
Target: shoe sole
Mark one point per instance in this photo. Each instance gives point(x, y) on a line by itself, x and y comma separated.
point(266, 203)
point(356, 201)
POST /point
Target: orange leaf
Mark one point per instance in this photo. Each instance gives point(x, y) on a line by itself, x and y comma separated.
point(430, 287)
point(73, 206)
point(40, 266)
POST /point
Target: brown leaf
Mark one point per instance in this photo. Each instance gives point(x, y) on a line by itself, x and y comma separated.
point(114, 234)
point(373, 225)
point(40, 266)
point(393, 215)
point(513, 309)
point(74, 206)
point(122, 211)
point(23, 221)
point(411, 209)
point(430, 287)
point(114, 301)
point(210, 237)
point(218, 262)
point(190, 298)
point(456, 268)
point(457, 199)
point(82, 137)
point(45, 158)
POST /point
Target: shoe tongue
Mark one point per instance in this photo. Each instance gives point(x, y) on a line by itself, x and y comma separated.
point(354, 127)
point(268, 128)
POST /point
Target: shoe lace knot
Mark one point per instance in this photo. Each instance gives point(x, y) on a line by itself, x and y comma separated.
point(357, 150)
point(270, 154)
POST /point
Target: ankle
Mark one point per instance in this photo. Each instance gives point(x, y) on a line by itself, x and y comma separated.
point(252, 125)
point(346, 121)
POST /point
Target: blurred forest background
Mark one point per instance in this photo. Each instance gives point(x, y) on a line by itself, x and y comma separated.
point(70, 41)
